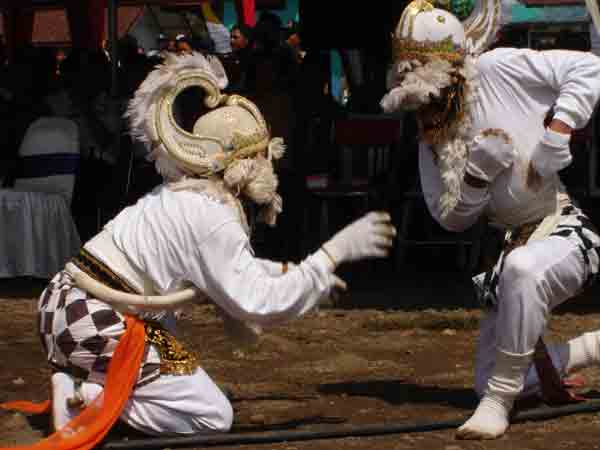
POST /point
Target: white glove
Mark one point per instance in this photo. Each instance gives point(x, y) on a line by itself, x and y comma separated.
point(552, 153)
point(371, 236)
point(490, 154)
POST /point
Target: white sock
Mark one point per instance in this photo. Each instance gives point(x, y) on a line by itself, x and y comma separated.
point(65, 389)
point(580, 352)
point(89, 391)
point(489, 421)
point(492, 416)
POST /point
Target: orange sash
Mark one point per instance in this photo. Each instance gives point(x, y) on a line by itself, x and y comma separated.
point(86, 430)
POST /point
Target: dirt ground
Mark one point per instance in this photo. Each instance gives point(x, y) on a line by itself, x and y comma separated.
point(392, 351)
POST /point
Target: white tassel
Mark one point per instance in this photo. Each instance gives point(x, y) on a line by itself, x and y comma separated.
point(262, 182)
point(269, 213)
point(276, 148)
point(257, 181)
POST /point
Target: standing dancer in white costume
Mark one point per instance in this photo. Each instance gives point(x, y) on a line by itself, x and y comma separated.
point(485, 151)
point(188, 238)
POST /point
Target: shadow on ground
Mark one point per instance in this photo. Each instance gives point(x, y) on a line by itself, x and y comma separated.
point(397, 392)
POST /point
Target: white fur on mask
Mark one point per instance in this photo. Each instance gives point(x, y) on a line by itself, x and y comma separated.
point(255, 178)
point(412, 84)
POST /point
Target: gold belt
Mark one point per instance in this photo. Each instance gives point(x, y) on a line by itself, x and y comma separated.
point(174, 358)
point(86, 262)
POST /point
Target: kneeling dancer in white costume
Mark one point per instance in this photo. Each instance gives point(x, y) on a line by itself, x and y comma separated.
point(485, 151)
point(188, 238)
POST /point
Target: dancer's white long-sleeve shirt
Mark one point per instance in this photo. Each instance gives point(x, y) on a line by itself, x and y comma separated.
point(183, 236)
point(516, 87)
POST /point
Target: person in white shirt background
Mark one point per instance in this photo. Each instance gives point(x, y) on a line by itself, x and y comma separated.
point(485, 151)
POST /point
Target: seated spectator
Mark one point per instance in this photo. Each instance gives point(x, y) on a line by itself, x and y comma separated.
point(241, 38)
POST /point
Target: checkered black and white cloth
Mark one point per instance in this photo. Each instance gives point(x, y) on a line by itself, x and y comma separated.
point(80, 333)
point(573, 225)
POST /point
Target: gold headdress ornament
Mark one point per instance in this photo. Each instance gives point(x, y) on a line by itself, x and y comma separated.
point(233, 129)
point(426, 31)
point(229, 152)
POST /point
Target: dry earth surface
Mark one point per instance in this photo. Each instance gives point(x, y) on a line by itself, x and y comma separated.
point(379, 356)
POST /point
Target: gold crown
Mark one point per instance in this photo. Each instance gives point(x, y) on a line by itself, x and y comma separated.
point(410, 49)
point(405, 47)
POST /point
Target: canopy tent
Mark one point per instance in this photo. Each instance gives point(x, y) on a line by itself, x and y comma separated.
point(86, 19)
point(51, 26)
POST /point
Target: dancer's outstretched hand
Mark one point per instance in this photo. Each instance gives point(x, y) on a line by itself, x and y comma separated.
point(371, 236)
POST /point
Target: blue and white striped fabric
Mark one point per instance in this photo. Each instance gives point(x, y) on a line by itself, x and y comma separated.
point(49, 157)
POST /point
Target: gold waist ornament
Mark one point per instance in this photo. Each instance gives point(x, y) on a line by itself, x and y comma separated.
point(174, 358)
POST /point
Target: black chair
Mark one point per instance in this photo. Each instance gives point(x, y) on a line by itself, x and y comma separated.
point(365, 170)
point(428, 234)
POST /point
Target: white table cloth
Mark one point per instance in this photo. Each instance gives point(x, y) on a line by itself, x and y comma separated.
point(37, 234)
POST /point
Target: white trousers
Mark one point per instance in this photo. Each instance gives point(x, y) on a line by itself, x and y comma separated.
point(175, 404)
point(535, 279)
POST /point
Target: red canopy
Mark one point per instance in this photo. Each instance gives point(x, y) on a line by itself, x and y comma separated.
point(246, 11)
point(86, 19)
